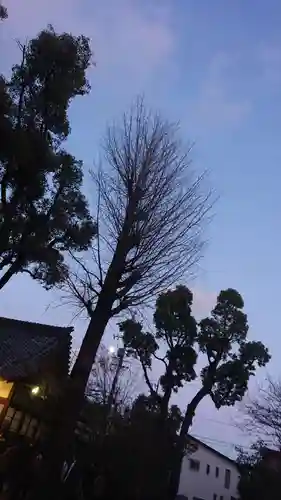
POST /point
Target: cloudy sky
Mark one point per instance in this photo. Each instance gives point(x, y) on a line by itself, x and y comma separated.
point(215, 65)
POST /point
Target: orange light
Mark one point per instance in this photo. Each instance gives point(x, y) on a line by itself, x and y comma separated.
point(5, 389)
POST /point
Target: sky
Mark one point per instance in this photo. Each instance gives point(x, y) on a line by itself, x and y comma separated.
point(216, 67)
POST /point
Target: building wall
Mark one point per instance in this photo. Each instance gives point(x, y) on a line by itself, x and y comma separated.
point(200, 485)
point(25, 414)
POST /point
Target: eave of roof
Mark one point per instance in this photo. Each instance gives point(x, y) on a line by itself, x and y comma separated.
point(35, 327)
point(218, 453)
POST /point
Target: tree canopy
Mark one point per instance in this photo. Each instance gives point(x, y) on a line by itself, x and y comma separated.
point(221, 337)
point(147, 235)
point(129, 458)
point(43, 211)
point(175, 335)
point(3, 12)
point(151, 213)
point(260, 469)
point(231, 359)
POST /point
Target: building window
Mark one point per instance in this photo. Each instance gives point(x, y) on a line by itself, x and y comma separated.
point(217, 472)
point(194, 464)
point(25, 425)
point(214, 496)
point(208, 469)
point(32, 428)
point(8, 417)
point(12, 420)
point(16, 421)
point(221, 497)
point(227, 479)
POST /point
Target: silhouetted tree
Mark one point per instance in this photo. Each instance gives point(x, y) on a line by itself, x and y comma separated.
point(260, 470)
point(128, 460)
point(153, 451)
point(172, 343)
point(132, 461)
point(151, 213)
point(3, 12)
point(262, 414)
point(232, 360)
point(222, 338)
point(43, 212)
point(102, 378)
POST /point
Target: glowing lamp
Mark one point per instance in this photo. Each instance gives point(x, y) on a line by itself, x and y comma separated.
point(35, 390)
point(111, 349)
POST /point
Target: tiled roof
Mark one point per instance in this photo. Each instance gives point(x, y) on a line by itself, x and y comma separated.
point(24, 345)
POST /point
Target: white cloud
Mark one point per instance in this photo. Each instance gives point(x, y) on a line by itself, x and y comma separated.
point(216, 106)
point(269, 58)
point(128, 38)
point(203, 302)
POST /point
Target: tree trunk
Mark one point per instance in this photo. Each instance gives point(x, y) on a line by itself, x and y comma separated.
point(71, 401)
point(188, 418)
point(112, 392)
point(73, 397)
point(13, 269)
point(164, 405)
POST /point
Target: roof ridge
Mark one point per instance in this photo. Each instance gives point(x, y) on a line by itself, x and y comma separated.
point(32, 325)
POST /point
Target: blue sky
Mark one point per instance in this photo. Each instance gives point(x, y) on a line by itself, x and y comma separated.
point(216, 67)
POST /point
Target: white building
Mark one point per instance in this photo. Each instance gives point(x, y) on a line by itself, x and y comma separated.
point(208, 475)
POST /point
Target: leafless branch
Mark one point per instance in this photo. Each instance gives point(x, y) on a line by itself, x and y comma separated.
point(102, 377)
point(262, 414)
point(152, 210)
point(98, 243)
point(147, 380)
point(163, 360)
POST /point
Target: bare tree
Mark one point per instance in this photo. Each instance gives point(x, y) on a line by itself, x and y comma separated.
point(151, 211)
point(113, 377)
point(262, 414)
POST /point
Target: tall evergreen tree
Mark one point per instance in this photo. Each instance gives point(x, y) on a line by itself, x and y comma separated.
point(231, 359)
point(43, 212)
point(3, 12)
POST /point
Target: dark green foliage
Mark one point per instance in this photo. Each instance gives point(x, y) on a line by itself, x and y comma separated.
point(128, 458)
point(137, 342)
point(221, 337)
point(3, 12)
point(172, 317)
point(175, 331)
point(260, 473)
point(51, 74)
point(43, 211)
point(231, 358)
